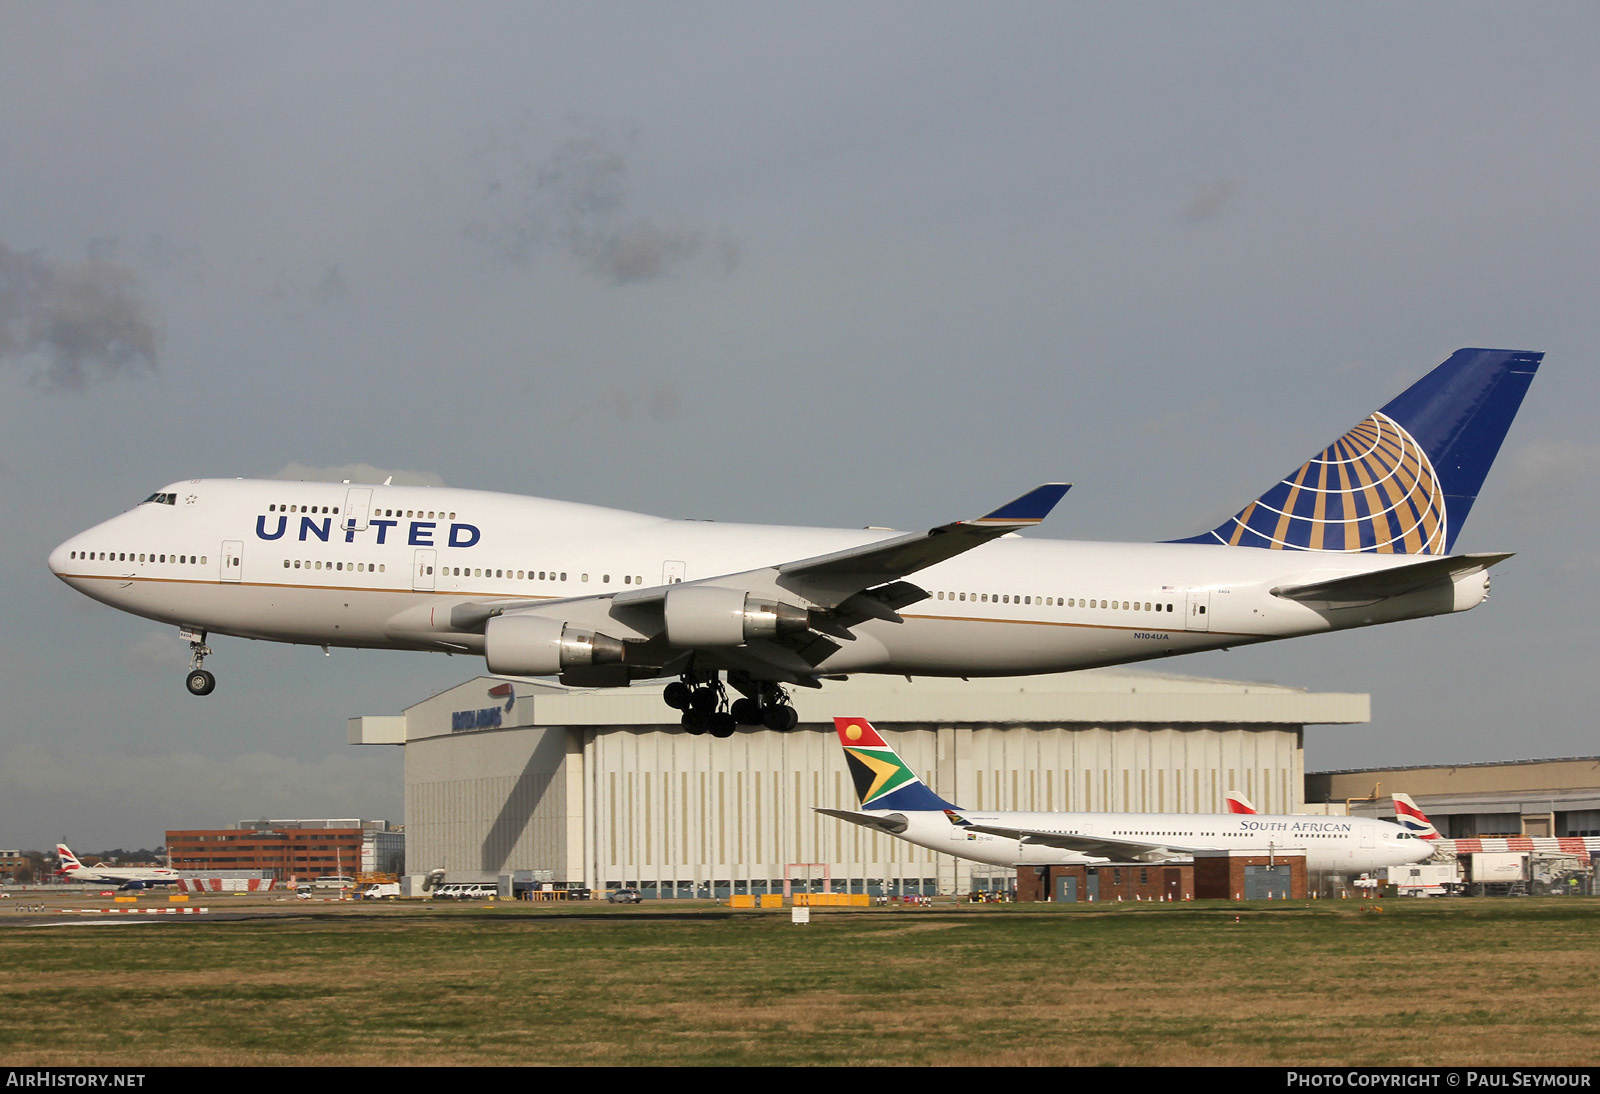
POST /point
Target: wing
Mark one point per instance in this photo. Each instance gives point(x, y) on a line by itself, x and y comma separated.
point(1123, 850)
point(778, 622)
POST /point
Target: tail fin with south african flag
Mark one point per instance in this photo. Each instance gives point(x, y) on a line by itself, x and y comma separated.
point(883, 780)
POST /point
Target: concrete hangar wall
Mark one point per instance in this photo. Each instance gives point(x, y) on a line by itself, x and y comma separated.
point(604, 788)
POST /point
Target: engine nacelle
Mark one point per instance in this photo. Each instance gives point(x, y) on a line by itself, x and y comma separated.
point(705, 615)
point(532, 645)
point(1470, 590)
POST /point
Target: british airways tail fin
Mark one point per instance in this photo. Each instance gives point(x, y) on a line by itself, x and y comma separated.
point(1403, 481)
point(1412, 819)
point(883, 780)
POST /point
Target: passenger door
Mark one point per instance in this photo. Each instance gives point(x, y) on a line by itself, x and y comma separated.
point(232, 560)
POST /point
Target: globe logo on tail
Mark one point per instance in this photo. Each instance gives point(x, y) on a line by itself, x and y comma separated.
point(1372, 490)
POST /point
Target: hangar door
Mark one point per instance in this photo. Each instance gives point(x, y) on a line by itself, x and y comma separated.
point(1266, 882)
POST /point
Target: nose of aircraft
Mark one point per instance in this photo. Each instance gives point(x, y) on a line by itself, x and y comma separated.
point(60, 557)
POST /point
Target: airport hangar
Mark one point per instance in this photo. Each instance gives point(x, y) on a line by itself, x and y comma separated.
point(597, 789)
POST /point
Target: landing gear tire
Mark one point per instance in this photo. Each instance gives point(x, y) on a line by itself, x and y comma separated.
point(780, 718)
point(695, 723)
point(677, 695)
point(200, 682)
point(747, 712)
point(723, 724)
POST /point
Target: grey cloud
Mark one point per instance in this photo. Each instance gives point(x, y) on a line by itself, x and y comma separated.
point(575, 200)
point(216, 791)
point(1209, 200)
point(85, 321)
point(659, 404)
point(154, 651)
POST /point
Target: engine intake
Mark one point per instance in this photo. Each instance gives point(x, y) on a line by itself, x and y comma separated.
point(532, 645)
point(705, 615)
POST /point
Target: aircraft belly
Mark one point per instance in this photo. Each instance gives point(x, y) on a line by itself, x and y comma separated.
point(965, 647)
point(343, 617)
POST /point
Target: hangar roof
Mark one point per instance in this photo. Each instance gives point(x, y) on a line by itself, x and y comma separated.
point(1090, 697)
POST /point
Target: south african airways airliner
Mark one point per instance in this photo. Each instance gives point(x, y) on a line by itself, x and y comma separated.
point(1360, 534)
point(895, 801)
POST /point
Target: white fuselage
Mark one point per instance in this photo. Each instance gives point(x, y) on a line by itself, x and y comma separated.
point(1344, 845)
point(274, 560)
point(111, 875)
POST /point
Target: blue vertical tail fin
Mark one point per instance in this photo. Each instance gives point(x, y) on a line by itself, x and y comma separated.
point(1402, 481)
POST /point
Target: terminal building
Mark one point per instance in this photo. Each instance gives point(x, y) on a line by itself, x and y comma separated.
point(596, 789)
point(289, 850)
point(1535, 798)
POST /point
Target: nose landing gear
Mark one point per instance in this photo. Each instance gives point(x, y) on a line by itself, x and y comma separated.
point(199, 681)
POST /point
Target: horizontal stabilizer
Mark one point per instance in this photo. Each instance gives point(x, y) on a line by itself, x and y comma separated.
point(892, 823)
point(1394, 581)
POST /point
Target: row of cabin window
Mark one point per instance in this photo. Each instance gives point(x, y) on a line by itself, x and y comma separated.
point(517, 575)
point(429, 515)
point(1056, 601)
point(456, 571)
point(141, 556)
point(358, 567)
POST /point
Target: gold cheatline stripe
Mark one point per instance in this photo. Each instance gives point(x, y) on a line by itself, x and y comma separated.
point(508, 596)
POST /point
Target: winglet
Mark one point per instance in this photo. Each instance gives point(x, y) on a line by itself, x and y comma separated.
point(1030, 508)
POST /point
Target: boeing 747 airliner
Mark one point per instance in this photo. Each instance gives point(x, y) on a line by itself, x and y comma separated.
point(1359, 534)
point(894, 800)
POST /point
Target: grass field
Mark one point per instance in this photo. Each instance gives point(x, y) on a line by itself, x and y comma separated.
point(1429, 982)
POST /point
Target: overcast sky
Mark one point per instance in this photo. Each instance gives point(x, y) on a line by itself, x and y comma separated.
point(836, 264)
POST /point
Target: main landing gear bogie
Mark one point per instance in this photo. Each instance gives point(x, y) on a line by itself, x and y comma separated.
point(706, 709)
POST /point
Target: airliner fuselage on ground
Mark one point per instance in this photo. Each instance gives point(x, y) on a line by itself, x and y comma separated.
point(1358, 535)
point(124, 877)
point(896, 801)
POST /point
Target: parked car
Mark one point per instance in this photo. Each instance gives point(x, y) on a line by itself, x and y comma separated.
point(624, 896)
point(465, 890)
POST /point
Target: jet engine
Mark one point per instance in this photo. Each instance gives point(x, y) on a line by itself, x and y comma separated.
point(533, 645)
point(705, 615)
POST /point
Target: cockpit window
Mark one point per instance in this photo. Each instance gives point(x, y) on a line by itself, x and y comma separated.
point(161, 499)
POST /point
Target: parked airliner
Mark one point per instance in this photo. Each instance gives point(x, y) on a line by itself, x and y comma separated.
point(1360, 534)
point(124, 877)
point(894, 800)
